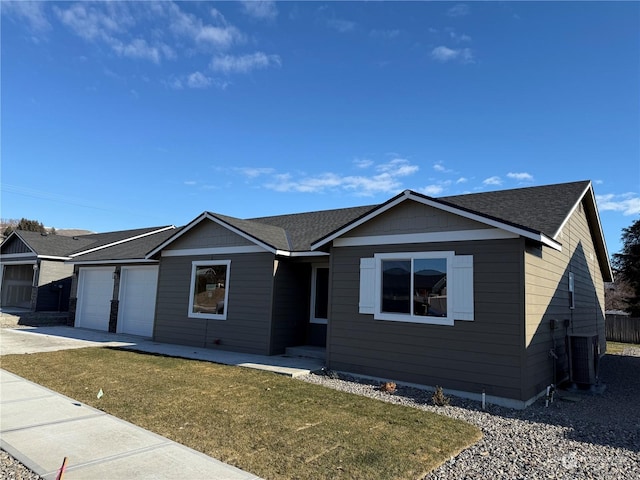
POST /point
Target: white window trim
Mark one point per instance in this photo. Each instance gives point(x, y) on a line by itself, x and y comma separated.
point(312, 309)
point(409, 318)
point(209, 316)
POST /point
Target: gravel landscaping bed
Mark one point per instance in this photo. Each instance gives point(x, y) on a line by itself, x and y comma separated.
point(12, 469)
point(577, 436)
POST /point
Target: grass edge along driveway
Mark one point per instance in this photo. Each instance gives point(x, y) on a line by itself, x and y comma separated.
point(267, 424)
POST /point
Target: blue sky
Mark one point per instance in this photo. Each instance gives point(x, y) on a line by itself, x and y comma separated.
point(127, 114)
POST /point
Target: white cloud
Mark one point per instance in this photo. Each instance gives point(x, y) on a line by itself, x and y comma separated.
point(253, 172)
point(91, 22)
point(244, 63)
point(626, 203)
point(446, 54)
point(522, 176)
point(139, 48)
point(439, 167)
point(363, 162)
point(459, 37)
point(459, 10)
point(340, 25)
point(219, 35)
point(432, 190)
point(198, 80)
point(260, 9)
point(492, 181)
point(32, 12)
point(462, 180)
point(190, 182)
point(386, 180)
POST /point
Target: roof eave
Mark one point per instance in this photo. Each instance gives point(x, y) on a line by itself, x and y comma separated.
point(432, 202)
point(212, 217)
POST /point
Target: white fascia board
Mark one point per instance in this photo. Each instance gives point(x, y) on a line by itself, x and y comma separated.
point(192, 252)
point(433, 237)
point(51, 257)
point(573, 209)
point(599, 225)
point(285, 253)
point(208, 216)
point(172, 239)
point(359, 222)
point(125, 240)
point(539, 237)
point(112, 262)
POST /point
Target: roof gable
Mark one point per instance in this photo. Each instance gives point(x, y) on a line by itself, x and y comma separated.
point(134, 249)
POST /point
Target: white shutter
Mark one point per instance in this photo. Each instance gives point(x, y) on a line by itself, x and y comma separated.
point(462, 287)
point(367, 285)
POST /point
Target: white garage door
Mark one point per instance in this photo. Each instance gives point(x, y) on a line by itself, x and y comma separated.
point(137, 300)
point(95, 291)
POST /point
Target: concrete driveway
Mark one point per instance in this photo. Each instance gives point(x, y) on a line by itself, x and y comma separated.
point(51, 339)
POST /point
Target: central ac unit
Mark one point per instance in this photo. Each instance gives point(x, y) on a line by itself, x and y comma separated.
point(584, 356)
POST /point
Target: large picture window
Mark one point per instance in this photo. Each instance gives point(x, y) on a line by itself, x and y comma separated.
point(419, 287)
point(209, 293)
point(415, 286)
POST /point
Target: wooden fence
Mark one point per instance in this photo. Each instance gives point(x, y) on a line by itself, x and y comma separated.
point(620, 328)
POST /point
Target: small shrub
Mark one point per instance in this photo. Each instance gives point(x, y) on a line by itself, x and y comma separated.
point(439, 398)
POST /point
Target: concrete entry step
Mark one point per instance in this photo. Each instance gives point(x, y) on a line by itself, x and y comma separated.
point(306, 351)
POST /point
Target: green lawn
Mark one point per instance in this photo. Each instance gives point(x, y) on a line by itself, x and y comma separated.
point(267, 424)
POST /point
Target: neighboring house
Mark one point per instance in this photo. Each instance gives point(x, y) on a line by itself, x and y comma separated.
point(114, 286)
point(478, 293)
point(35, 275)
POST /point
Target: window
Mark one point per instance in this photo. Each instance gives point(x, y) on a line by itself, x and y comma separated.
point(572, 297)
point(419, 287)
point(209, 293)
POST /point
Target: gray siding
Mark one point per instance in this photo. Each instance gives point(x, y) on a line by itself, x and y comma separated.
point(483, 355)
point(248, 324)
point(290, 305)
point(208, 234)
point(54, 286)
point(414, 217)
point(15, 245)
point(51, 271)
point(547, 296)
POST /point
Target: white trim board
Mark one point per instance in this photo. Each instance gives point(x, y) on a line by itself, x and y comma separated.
point(187, 252)
point(433, 237)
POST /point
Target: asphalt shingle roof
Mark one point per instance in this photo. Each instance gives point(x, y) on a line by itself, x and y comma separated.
point(52, 245)
point(63, 246)
point(542, 209)
point(130, 250)
point(537, 209)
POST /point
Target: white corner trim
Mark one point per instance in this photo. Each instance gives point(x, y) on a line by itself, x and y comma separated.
point(187, 252)
point(432, 237)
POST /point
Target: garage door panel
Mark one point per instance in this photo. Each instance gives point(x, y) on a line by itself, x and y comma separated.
point(95, 291)
point(137, 300)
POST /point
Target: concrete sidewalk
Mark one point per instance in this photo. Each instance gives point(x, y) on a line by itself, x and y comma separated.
point(40, 427)
point(47, 339)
